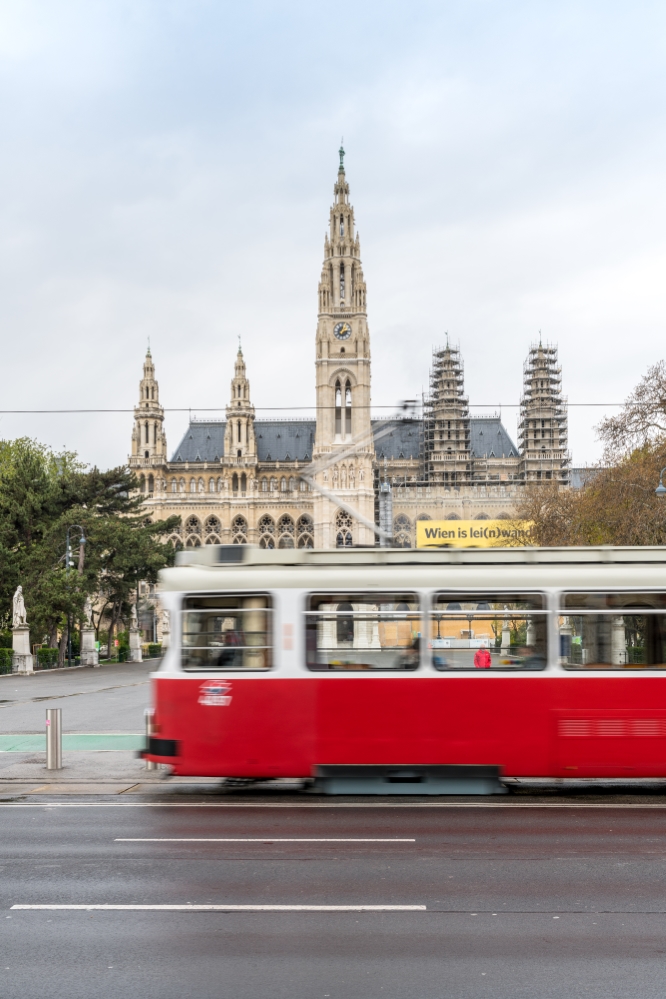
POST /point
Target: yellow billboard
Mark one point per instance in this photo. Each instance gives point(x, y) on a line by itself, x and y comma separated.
point(473, 533)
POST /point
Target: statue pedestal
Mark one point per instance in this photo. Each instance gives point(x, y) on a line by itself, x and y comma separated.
point(89, 654)
point(22, 658)
point(135, 646)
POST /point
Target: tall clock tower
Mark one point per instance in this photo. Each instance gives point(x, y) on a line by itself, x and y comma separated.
point(343, 380)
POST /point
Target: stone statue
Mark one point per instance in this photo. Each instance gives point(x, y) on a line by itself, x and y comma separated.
point(19, 619)
point(165, 621)
point(134, 621)
point(87, 610)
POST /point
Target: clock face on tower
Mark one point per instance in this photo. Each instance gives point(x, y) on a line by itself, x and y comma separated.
point(342, 331)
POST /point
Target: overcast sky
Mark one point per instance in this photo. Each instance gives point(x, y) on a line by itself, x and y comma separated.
point(167, 169)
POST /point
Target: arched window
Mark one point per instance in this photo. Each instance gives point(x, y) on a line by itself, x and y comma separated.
point(151, 484)
point(264, 485)
point(292, 484)
point(344, 625)
point(174, 486)
point(192, 532)
point(343, 528)
point(283, 485)
point(211, 485)
point(175, 541)
point(267, 532)
point(273, 484)
point(402, 531)
point(243, 483)
point(239, 531)
point(193, 485)
point(305, 532)
point(286, 532)
point(348, 422)
point(142, 483)
point(154, 433)
point(342, 225)
point(234, 482)
point(338, 409)
point(238, 425)
point(147, 433)
point(152, 393)
point(213, 531)
point(342, 281)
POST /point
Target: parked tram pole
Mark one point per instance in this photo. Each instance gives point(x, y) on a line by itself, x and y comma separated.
point(54, 738)
point(148, 720)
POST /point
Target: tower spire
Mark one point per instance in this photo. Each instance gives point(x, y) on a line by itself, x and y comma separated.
point(149, 446)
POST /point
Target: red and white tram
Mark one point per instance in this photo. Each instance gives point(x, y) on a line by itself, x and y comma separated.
point(543, 662)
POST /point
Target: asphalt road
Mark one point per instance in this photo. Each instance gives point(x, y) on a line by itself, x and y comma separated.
point(521, 900)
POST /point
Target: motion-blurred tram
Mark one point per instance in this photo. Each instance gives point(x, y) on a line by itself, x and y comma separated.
point(540, 662)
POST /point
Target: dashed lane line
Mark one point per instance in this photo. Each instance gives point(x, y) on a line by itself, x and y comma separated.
point(258, 839)
point(227, 908)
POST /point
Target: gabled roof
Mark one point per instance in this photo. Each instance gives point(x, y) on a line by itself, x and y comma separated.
point(489, 439)
point(402, 441)
point(277, 440)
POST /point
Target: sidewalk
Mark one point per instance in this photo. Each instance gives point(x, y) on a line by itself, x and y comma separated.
point(116, 772)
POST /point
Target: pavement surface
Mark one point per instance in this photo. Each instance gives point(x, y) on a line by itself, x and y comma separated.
point(108, 699)
point(518, 898)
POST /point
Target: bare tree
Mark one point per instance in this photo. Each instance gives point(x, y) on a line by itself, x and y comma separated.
point(642, 421)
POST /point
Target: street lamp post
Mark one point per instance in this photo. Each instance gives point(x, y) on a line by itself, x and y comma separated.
point(661, 488)
point(68, 564)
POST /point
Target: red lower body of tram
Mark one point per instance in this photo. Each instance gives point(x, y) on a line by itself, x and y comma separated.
point(564, 726)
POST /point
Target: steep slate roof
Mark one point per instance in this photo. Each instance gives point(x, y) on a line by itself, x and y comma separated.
point(401, 442)
point(293, 440)
point(489, 439)
point(277, 440)
point(285, 440)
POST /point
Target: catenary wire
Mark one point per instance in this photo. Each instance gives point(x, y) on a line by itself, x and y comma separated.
point(289, 409)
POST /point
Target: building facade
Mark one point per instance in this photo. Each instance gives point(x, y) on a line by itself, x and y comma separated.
point(241, 480)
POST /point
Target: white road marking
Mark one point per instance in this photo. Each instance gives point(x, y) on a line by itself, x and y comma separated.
point(253, 839)
point(508, 806)
point(231, 908)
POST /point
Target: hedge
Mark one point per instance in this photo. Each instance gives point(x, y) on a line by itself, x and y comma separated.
point(6, 660)
point(47, 658)
point(154, 650)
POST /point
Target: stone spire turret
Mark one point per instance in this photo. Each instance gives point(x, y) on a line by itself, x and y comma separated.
point(149, 446)
point(447, 426)
point(543, 418)
point(240, 443)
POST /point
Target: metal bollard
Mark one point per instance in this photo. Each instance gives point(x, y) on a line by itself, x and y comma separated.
point(148, 719)
point(54, 738)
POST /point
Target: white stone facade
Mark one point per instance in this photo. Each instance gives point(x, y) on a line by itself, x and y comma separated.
point(238, 480)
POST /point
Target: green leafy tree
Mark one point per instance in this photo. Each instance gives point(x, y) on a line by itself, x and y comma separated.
point(42, 494)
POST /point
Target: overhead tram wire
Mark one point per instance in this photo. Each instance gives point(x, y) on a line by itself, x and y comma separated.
point(286, 409)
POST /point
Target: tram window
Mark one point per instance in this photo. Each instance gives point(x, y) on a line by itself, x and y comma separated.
point(357, 631)
point(488, 631)
point(227, 633)
point(593, 635)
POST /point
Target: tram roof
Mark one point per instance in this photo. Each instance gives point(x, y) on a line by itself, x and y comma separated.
point(218, 555)
point(248, 566)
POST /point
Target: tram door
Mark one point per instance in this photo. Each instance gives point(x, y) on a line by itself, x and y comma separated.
point(366, 647)
point(250, 719)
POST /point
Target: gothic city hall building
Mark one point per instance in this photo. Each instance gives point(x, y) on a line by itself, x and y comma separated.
point(324, 482)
